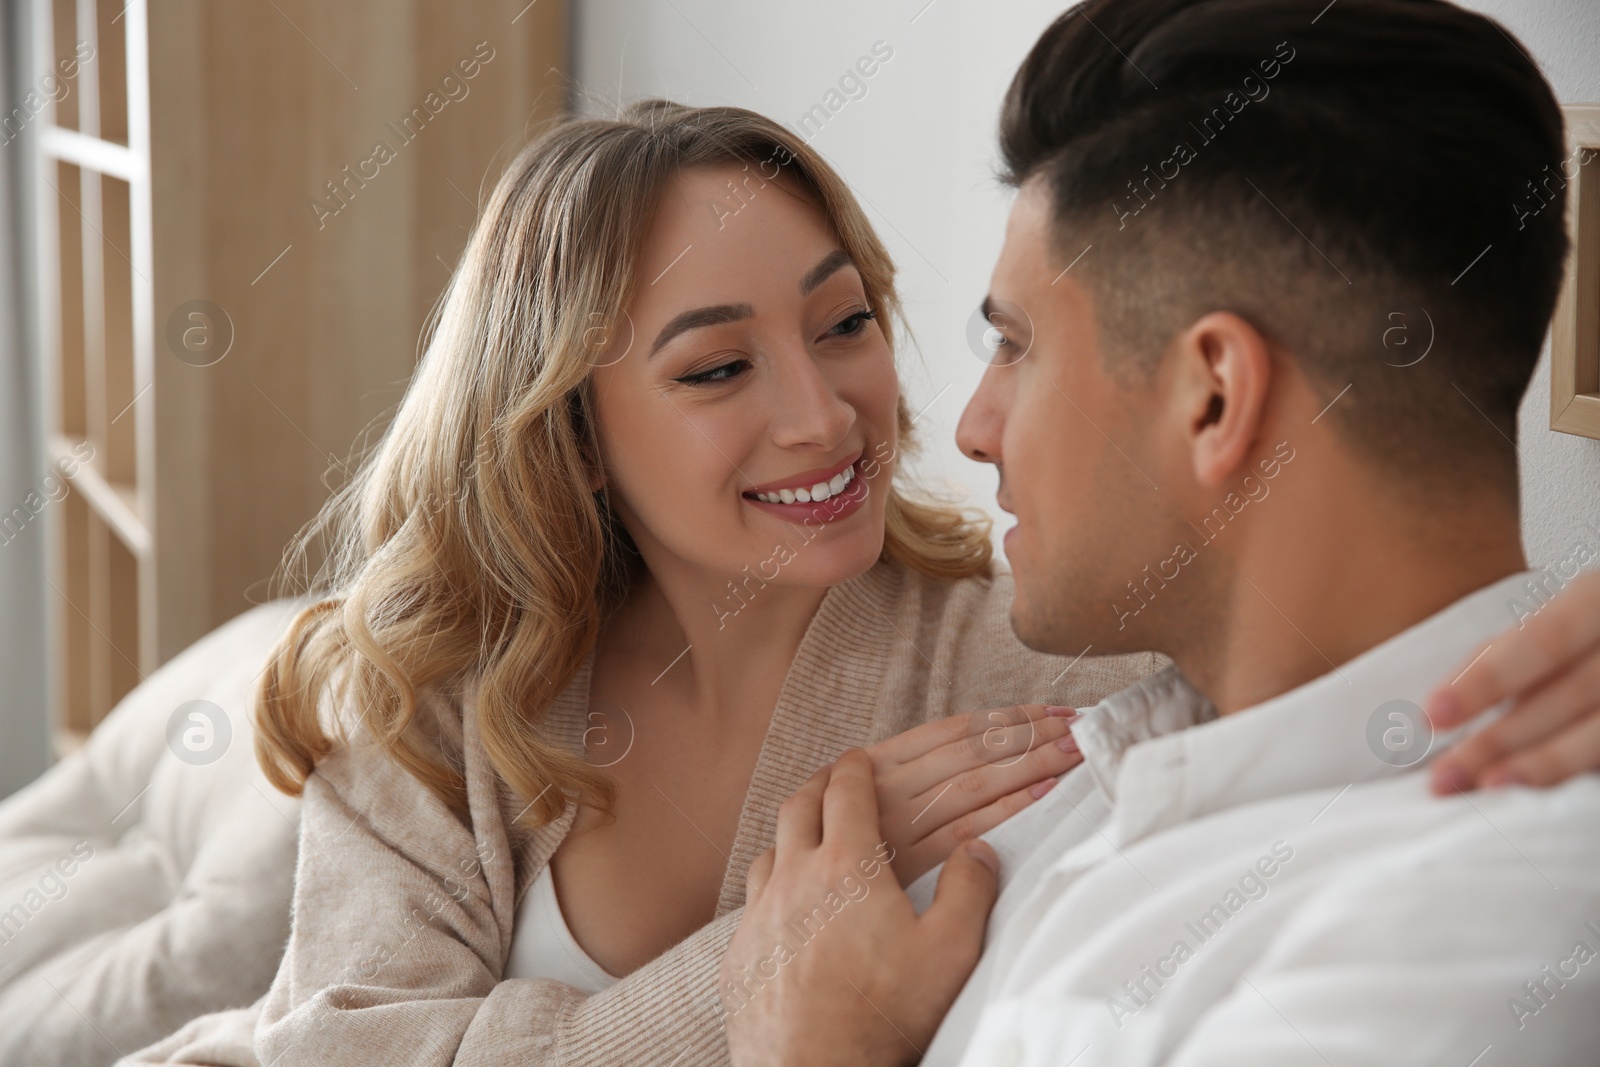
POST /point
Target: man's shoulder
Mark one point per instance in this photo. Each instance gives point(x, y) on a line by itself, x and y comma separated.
point(1374, 915)
point(1487, 835)
point(1489, 893)
point(1394, 827)
point(1556, 812)
point(1390, 873)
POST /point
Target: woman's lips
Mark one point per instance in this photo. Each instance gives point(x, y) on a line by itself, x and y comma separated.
point(807, 479)
point(848, 501)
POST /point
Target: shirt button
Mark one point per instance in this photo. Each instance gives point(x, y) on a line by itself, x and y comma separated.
point(1007, 1052)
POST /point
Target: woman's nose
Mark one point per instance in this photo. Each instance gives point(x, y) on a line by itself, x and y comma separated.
point(811, 410)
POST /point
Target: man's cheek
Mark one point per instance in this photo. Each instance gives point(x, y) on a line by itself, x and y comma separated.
point(1033, 459)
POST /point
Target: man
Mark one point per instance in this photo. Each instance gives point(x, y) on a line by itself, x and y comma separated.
point(1214, 447)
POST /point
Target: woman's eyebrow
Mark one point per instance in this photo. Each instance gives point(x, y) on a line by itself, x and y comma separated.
point(831, 262)
point(718, 314)
point(715, 315)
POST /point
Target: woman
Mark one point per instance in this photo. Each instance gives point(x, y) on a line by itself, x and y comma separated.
point(630, 564)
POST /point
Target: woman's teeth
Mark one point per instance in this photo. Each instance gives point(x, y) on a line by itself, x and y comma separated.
point(813, 495)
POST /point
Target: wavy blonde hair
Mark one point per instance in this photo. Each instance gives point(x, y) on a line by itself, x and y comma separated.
point(469, 543)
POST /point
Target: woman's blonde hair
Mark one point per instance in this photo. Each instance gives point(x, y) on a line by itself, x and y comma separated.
point(469, 543)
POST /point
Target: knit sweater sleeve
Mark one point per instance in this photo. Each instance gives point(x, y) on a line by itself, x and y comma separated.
point(396, 949)
point(399, 935)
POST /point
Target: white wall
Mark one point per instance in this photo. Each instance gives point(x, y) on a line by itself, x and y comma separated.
point(919, 150)
point(1560, 472)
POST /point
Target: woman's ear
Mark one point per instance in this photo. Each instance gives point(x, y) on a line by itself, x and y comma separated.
point(1227, 370)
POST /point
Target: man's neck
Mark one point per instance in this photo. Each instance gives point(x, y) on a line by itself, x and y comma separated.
point(1299, 603)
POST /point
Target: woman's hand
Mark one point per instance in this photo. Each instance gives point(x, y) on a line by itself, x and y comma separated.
point(1551, 666)
point(948, 781)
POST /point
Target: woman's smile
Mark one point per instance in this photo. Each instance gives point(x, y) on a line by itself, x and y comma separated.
point(826, 494)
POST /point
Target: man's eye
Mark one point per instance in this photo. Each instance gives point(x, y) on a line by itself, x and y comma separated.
point(996, 334)
point(854, 324)
point(726, 372)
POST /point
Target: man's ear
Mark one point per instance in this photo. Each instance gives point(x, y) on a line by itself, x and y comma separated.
point(1225, 371)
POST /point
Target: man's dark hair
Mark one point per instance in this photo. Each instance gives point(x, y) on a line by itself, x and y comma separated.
point(1356, 179)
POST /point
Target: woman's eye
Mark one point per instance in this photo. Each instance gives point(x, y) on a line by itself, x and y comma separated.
point(854, 324)
point(726, 372)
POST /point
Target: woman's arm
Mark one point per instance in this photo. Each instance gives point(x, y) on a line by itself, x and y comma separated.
point(396, 949)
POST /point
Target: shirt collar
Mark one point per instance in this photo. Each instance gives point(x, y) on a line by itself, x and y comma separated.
point(1162, 755)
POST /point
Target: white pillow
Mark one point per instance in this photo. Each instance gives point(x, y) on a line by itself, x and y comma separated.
point(146, 878)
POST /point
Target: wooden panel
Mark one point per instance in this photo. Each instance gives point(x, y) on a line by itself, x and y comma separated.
point(99, 662)
point(251, 210)
point(122, 623)
point(119, 418)
point(70, 316)
point(1575, 331)
point(275, 205)
point(71, 590)
point(97, 542)
point(112, 69)
point(65, 26)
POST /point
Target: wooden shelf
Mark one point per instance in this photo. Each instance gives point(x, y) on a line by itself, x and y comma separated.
point(1575, 330)
point(95, 256)
point(92, 153)
point(177, 169)
point(116, 503)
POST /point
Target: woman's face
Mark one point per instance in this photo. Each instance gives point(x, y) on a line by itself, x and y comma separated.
point(746, 406)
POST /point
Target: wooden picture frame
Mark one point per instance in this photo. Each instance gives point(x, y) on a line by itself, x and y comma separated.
point(1575, 330)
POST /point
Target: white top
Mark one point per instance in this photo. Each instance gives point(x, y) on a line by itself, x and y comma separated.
point(542, 946)
point(1279, 887)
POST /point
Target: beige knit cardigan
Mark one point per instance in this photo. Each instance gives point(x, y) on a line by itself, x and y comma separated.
point(403, 915)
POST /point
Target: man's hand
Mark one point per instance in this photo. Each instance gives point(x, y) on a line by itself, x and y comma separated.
point(831, 964)
point(947, 781)
point(1551, 665)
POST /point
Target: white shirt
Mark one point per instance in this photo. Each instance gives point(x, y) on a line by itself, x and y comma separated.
point(542, 945)
point(1265, 889)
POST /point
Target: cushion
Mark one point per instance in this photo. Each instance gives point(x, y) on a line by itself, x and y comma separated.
point(146, 878)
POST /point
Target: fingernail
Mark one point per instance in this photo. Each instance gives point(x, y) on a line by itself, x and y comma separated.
point(1060, 712)
point(1039, 789)
point(1068, 744)
point(1450, 778)
point(984, 853)
point(1500, 778)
